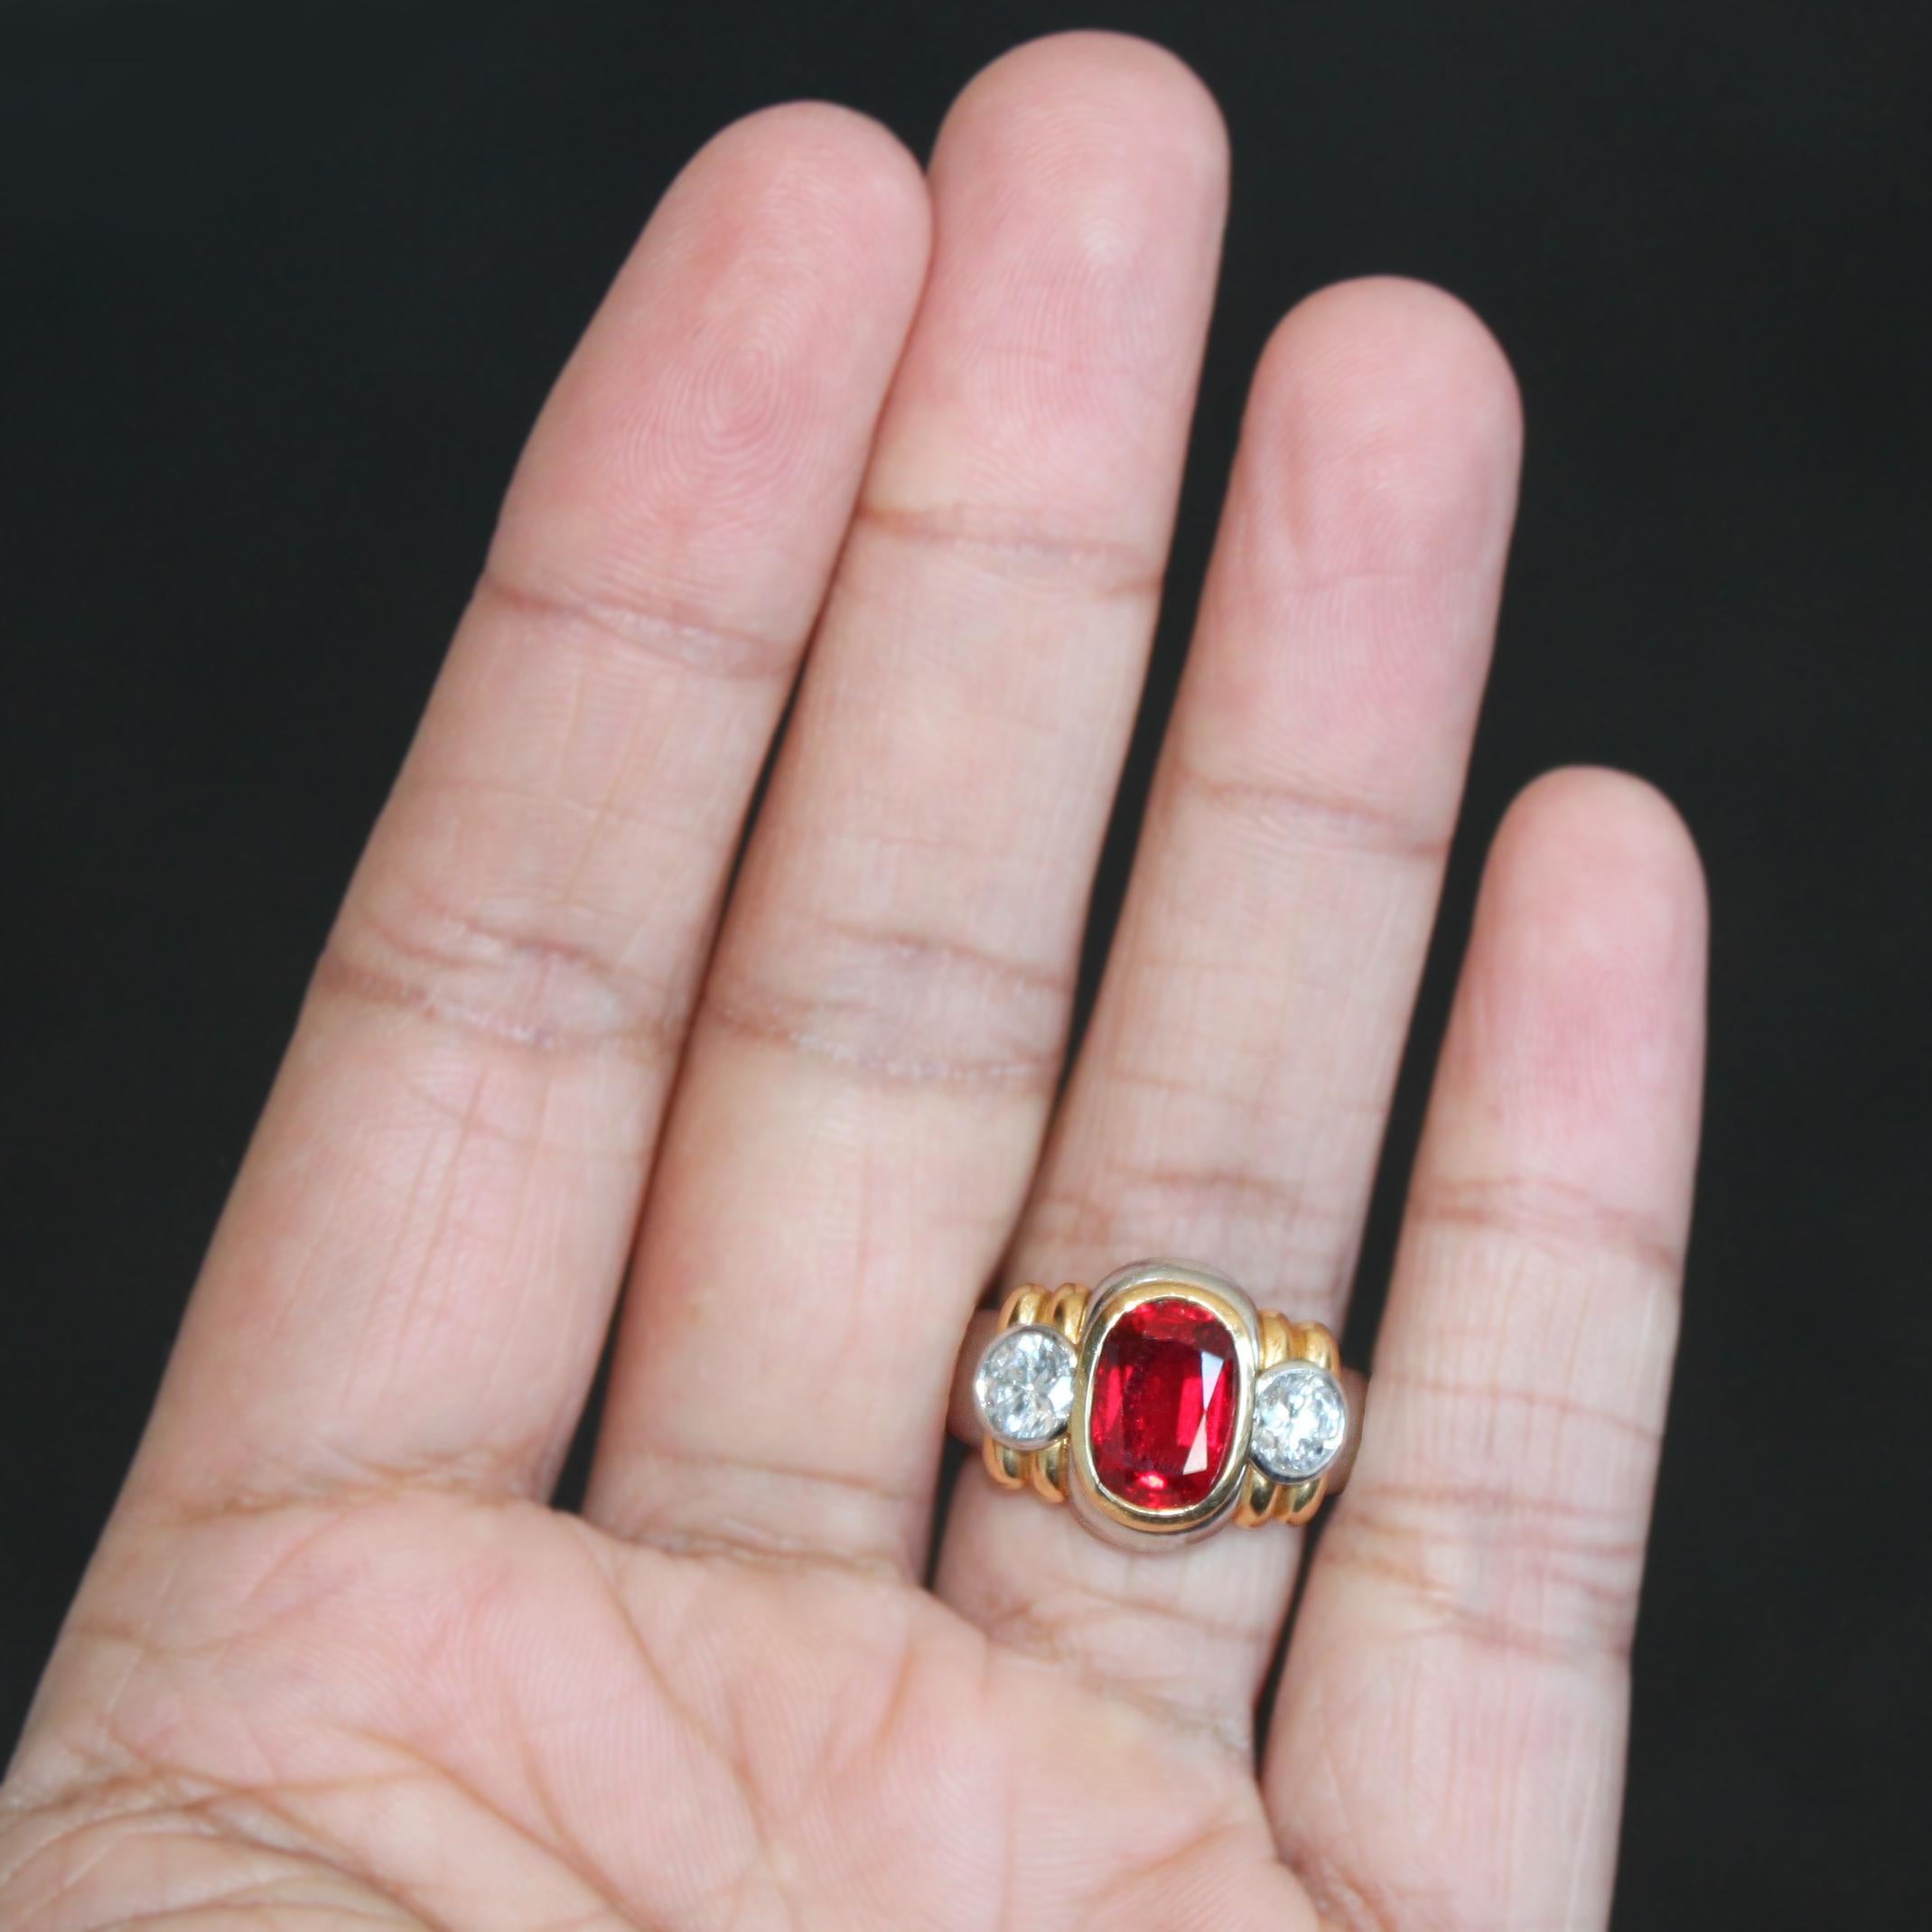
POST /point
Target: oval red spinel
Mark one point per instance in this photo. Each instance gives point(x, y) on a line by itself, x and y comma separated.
point(1163, 1403)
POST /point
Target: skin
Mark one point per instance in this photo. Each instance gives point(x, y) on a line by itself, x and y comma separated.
point(339, 1663)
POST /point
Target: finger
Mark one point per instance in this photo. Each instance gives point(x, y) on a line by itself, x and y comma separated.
point(883, 1022)
point(1230, 1096)
point(1448, 1748)
point(417, 1265)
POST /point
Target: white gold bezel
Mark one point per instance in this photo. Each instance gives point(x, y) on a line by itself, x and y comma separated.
point(1025, 1443)
point(1303, 1370)
point(1110, 1516)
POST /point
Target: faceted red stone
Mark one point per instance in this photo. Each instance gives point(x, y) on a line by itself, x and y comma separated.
point(1163, 1403)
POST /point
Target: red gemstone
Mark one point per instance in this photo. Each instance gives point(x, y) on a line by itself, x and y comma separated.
point(1163, 1405)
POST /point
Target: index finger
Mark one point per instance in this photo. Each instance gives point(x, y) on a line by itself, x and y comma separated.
point(416, 1268)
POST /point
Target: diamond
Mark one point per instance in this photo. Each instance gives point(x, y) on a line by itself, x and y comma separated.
point(1024, 1386)
point(1164, 1406)
point(1299, 1419)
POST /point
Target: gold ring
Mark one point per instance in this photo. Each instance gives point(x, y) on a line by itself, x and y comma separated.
point(1161, 1405)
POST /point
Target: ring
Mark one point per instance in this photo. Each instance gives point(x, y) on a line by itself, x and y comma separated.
point(1161, 1405)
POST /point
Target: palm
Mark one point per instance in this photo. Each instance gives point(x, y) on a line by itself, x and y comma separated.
point(338, 1660)
point(585, 1732)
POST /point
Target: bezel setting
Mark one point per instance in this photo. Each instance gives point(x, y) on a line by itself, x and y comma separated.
point(1063, 1469)
point(1067, 1363)
point(1325, 1388)
point(1112, 1516)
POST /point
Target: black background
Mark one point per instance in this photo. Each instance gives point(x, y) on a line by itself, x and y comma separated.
point(283, 289)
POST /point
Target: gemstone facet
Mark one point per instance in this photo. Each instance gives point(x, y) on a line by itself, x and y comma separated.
point(1164, 1402)
point(1024, 1386)
point(1299, 1419)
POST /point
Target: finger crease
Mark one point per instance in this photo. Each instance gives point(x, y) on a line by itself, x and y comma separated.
point(1299, 813)
point(1562, 1407)
point(525, 985)
point(854, 1037)
point(667, 630)
point(1467, 1552)
point(723, 1484)
point(1022, 547)
point(1550, 1211)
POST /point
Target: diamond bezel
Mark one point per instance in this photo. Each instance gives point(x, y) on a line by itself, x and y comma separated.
point(1112, 1516)
point(1302, 1370)
point(1003, 1339)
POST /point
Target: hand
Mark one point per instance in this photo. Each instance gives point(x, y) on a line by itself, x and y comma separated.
point(338, 1661)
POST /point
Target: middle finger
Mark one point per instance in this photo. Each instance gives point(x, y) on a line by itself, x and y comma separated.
point(883, 1023)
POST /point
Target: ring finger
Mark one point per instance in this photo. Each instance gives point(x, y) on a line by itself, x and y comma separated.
point(1229, 1101)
